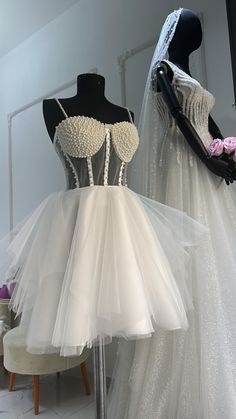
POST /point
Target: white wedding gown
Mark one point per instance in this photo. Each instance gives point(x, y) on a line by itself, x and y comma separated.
point(188, 375)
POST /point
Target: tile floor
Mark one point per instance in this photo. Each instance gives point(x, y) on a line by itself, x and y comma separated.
point(59, 398)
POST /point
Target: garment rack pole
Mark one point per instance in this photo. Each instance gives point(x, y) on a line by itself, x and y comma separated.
point(100, 390)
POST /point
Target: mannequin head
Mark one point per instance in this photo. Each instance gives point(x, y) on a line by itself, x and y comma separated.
point(187, 37)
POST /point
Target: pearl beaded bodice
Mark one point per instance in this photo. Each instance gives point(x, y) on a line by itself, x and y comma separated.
point(196, 103)
point(94, 153)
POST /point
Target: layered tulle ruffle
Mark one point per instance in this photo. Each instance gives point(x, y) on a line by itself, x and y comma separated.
point(100, 261)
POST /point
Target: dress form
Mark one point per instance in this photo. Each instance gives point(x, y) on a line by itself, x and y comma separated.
point(188, 38)
point(168, 377)
point(85, 268)
point(91, 102)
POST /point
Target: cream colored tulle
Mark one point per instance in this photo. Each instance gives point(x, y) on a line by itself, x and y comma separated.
point(101, 261)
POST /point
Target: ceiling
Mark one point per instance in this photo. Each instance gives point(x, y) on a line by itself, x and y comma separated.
point(21, 18)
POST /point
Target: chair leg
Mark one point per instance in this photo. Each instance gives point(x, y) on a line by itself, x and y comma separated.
point(58, 375)
point(4, 370)
point(85, 376)
point(36, 394)
point(11, 381)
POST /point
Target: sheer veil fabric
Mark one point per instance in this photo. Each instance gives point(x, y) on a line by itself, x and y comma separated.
point(192, 374)
point(143, 167)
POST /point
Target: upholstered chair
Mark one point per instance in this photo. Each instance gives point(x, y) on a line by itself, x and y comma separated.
point(5, 323)
point(18, 361)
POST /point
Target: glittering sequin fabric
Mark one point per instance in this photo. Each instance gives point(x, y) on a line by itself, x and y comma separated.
point(188, 375)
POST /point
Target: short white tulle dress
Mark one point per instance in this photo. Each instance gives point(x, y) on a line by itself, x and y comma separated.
point(98, 259)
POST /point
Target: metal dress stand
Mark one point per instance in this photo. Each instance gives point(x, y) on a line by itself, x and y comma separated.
point(100, 390)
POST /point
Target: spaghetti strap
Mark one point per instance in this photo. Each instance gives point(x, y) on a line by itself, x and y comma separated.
point(130, 117)
point(60, 105)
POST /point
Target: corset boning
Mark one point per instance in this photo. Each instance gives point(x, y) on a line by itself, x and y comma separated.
point(103, 168)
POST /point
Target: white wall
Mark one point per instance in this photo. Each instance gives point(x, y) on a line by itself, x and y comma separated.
point(90, 34)
point(217, 53)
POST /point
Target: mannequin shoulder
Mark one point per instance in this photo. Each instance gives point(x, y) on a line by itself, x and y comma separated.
point(122, 112)
point(52, 110)
point(165, 66)
point(52, 115)
point(168, 70)
point(49, 106)
point(164, 73)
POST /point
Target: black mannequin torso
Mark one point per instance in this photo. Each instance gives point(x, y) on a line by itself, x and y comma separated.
point(89, 101)
point(187, 38)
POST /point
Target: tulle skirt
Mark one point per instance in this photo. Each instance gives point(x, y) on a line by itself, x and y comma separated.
point(100, 261)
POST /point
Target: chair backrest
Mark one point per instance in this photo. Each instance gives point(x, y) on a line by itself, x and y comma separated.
point(5, 313)
point(6, 316)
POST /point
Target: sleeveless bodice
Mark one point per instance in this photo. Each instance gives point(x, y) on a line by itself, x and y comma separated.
point(196, 103)
point(94, 153)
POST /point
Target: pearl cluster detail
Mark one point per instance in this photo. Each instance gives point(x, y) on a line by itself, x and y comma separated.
point(107, 156)
point(125, 140)
point(90, 171)
point(125, 183)
point(121, 173)
point(81, 136)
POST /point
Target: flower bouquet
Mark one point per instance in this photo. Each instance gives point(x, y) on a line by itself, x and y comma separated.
point(224, 149)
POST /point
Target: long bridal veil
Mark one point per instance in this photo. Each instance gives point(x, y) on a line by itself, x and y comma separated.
point(142, 177)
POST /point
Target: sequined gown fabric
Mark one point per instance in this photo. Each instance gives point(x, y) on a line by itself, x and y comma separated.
point(98, 259)
point(192, 374)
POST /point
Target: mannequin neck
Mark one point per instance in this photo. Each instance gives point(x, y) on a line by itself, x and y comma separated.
point(91, 87)
point(181, 61)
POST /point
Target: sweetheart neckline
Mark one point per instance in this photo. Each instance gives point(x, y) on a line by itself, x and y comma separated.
point(93, 119)
point(103, 124)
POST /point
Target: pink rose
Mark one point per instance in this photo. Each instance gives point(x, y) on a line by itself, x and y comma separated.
point(229, 145)
point(216, 147)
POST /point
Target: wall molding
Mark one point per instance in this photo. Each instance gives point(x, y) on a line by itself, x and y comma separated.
point(122, 59)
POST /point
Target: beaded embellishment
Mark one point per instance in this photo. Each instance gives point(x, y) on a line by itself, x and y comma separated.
point(82, 136)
